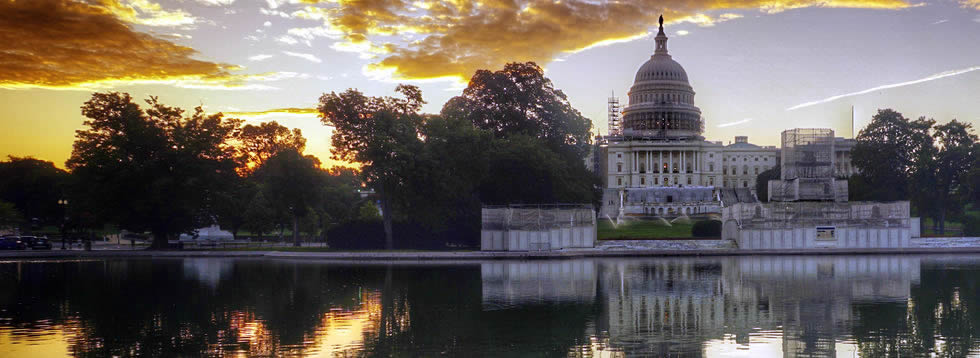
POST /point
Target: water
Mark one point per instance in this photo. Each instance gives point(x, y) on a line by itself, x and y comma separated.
point(725, 306)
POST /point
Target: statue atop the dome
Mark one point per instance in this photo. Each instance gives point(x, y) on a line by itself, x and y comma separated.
point(661, 20)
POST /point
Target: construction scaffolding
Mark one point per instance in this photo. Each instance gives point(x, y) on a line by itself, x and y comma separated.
point(615, 117)
point(807, 169)
point(537, 217)
point(812, 214)
point(807, 153)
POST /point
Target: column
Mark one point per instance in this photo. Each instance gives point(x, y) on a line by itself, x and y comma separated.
point(670, 161)
point(660, 162)
point(683, 161)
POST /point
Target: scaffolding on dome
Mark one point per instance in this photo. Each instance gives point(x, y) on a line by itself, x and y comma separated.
point(615, 117)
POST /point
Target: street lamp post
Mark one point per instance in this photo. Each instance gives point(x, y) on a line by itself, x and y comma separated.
point(64, 204)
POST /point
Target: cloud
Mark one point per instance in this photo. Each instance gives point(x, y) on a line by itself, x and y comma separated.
point(455, 38)
point(973, 4)
point(260, 57)
point(305, 56)
point(276, 113)
point(682, 32)
point(216, 2)
point(888, 86)
point(940, 21)
point(735, 123)
point(62, 44)
point(143, 12)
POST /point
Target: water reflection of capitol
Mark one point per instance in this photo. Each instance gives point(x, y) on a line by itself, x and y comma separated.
point(799, 306)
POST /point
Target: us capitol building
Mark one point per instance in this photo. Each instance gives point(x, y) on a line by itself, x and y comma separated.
point(655, 161)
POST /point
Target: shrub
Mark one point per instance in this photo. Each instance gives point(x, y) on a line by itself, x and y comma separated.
point(707, 228)
point(370, 235)
point(971, 225)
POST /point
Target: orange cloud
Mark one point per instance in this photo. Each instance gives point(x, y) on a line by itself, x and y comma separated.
point(424, 39)
point(63, 44)
point(273, 113)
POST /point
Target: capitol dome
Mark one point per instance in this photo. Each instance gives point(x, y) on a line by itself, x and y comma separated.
point(661, 68)
point(661, 101)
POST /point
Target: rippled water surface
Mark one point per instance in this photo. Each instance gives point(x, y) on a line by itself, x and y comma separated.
point(869, 306)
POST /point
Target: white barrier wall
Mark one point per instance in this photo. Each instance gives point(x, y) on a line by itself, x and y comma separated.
point(806, 238)
point(536, 240)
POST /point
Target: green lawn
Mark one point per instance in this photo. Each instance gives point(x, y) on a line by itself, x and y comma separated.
point(642, 229)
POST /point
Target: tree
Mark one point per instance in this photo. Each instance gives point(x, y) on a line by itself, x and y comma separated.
point(290, 182)
point(9, 216)
point(519, 100)
point(258, 143)
point(889, 151)
point(762, 182)
point(954, 158)
point(525, 170)
point(35, 188)
point(153, 170)
point(380, 133)
point(254, 144)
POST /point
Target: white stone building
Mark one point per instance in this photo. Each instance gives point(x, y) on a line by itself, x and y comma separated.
point(660, 144)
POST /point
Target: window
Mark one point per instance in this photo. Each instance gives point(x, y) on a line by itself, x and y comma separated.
point(745, 159)
point(619, 155)
point(619, 167)
point(643, 181)
point(745, 183)
point(757, 159)
point(756, 170)
point(766, 159)
point(619, 181)
point(745, 170)
point(688, 180)
point(711, 167)
point(711, 155)
point(711, 181)
point(656, 181)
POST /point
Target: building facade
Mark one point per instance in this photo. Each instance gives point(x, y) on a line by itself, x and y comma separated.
point(658, 143)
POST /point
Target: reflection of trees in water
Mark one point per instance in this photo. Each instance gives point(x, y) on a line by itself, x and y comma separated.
point(148, 307)
point(945, 304)
point(158, 308)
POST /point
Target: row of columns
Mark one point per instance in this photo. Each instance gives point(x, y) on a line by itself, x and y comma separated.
point(683, 155)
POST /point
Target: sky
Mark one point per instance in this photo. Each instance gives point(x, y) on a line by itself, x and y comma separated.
point(758, 66)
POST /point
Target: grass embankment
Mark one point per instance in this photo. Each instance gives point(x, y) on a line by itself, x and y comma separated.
point(644, 229)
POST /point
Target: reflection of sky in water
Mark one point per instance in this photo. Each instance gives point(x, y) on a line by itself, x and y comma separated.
point(724, 306)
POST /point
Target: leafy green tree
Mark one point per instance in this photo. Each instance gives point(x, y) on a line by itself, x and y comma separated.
point(254, 144)
point(380, 133)
point(35, 188)
point(153, 170)
point(290, 182)
point(525, 170)
point(444, 186)
point(519, 100)
point(888, 152)
point(955, 157)
point(258, 143)
point(259, 216)
point(9, 216)
point(762, 182)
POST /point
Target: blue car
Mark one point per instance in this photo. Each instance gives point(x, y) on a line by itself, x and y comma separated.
point(11, 243)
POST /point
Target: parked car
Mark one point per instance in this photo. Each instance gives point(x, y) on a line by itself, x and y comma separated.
point(27, 240)
point(41, 243)
point(11, 243)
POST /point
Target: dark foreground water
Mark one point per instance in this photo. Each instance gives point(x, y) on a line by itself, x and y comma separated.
point(870, 306)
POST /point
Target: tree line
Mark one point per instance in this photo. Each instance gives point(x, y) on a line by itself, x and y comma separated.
point(510, 137)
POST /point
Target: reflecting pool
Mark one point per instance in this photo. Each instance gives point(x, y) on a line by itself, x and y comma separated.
point(810, 306)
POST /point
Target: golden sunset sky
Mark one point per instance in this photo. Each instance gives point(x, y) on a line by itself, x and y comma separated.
point(758, 66)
